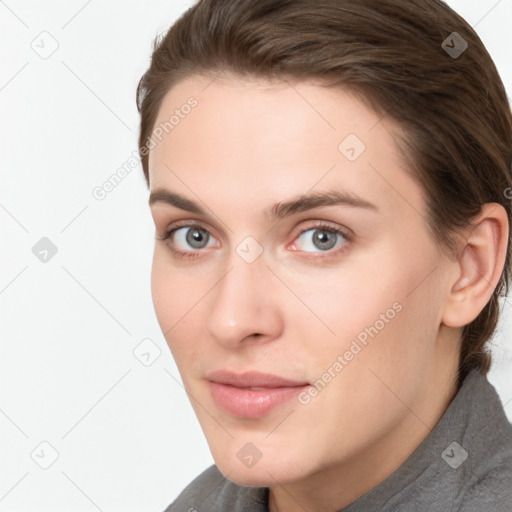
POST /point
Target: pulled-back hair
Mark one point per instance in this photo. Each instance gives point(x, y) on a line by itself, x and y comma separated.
point(395, 55)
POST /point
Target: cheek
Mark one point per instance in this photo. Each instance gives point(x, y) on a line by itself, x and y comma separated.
point(173, 293)
point(381, 306)
point(177, 295)
point(162, 291)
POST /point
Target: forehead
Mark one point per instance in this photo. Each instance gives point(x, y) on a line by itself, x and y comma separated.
point(261, 139)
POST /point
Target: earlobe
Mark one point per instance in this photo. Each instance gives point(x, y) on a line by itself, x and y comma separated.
point(479, 267)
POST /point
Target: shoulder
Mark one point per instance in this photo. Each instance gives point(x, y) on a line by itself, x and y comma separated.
point(197, 490)
point(212, 491)
point(491, 489)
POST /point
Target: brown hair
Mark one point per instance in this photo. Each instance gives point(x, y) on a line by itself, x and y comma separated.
point(453, 108)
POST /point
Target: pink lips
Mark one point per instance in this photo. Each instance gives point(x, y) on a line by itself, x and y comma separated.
point(232, 392)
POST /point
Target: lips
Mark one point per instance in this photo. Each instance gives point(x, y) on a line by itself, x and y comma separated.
point(252, 379)
point(251, 394)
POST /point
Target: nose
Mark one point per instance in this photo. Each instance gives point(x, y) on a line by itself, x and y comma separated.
point(244, 305)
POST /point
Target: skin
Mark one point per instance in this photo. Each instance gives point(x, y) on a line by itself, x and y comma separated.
point(246, 146)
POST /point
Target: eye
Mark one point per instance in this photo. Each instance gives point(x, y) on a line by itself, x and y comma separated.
point(320, 238)
point(186, 241)
point(193, 237)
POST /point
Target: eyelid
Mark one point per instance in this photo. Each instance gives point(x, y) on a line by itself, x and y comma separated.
point(190, 223)
point(325, 225)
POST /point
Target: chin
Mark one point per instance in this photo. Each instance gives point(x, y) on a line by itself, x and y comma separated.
point(262, 474)
point(250, 479)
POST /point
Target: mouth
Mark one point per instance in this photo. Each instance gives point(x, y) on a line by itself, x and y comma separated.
point(252, 394)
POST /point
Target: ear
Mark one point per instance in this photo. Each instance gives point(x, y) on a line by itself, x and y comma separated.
point(478, 268)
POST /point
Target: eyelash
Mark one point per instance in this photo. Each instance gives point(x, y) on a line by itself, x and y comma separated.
point(322, 226)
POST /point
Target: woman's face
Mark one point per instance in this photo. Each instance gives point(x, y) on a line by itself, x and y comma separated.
point(342, 292)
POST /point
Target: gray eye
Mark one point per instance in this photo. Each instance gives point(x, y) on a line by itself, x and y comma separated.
point(191, 237)
point(324, 240)
point(197, 238)
point(313, 240)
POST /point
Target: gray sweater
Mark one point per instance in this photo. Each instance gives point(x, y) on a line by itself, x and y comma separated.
point(464, 465)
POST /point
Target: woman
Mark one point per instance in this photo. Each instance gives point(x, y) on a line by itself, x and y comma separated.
point(330, 186)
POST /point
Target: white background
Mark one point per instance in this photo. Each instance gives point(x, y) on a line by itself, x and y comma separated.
point(126, 436)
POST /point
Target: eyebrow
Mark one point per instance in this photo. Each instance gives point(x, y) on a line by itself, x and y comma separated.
point(278, 211)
